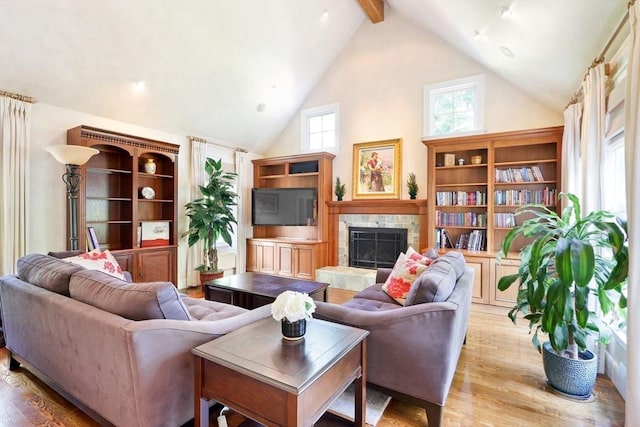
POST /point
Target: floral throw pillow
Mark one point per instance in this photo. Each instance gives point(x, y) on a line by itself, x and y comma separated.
point(404, 273)
point(425, 259)
point(96, 260)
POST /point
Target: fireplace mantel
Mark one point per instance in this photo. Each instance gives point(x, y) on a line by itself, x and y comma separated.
point(366, 207)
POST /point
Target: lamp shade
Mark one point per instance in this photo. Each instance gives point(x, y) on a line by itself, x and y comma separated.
point(71, 154)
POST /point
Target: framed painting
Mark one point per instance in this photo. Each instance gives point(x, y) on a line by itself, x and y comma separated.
point(376, 169)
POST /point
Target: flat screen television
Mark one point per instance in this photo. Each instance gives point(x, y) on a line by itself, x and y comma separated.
point(283, 206)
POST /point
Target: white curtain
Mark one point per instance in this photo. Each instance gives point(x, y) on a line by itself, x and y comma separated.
point(198, 177)
point(592, 136)
point(244, 169)
point(571, 149)
point(632, 152)
point(15, 124)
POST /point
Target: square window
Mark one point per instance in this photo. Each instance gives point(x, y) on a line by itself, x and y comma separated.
point(319, 128)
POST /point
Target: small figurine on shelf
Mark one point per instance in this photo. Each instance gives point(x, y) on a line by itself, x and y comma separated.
point(460, 162)
point(339, 189)
point(412, 186)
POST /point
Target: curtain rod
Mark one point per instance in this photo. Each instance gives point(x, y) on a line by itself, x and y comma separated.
point(19, 97)
point(195, 138)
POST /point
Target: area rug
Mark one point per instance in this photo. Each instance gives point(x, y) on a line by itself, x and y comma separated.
point(377, 401)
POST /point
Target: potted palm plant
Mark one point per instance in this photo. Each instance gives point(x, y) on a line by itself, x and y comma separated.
point(571, 275)
point(211, 217)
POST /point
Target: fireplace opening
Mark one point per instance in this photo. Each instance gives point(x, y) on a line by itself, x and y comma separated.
point(376, 247)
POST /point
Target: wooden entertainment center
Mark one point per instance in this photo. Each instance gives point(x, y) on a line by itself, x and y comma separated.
point(111, 199)
point(293, 251)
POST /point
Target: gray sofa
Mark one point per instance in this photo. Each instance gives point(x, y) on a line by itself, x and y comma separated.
point(413, 350)
point(121, 351)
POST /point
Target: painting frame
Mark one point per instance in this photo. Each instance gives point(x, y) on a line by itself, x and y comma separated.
point(377, 168)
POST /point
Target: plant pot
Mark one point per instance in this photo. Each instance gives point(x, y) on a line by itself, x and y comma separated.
point(412, 196)
point(294, 330)
point(339, 198)
point(207, 276)
point(575, 378)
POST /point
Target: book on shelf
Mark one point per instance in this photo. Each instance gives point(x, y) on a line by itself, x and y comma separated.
point(473, 241)
point(443, 240)
point(92, 239)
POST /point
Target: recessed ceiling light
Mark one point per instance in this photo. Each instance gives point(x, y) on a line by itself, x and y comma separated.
point(261, 107)
point(505, 12)
point(506, 51)
point(477, 35)
point(139, 85)
point(325, 15)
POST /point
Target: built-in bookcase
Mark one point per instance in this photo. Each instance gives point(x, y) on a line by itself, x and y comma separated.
point(472, 205)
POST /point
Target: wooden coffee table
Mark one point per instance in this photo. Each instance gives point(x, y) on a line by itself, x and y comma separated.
point(250, 290)
point(277, 382)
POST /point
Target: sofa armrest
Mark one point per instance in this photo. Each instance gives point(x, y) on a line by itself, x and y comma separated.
point(382, 274)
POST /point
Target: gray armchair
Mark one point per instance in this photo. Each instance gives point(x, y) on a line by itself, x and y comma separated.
point(412, 351)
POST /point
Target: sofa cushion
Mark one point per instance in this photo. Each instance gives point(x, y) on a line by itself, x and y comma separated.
point(135, 301)
point(425, 258)
point(437, 283)
point(200, 309)
point(47, 272)
point(405, 272)
point(98, 260)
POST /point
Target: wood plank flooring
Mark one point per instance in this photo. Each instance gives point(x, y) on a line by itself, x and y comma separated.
point(499, 382)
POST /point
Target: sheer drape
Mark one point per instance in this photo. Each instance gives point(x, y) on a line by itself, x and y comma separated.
point(198, 177)
point(244, 168)
point(15, 124)
point(632, 152)
point(592, 136)
point(571, 149)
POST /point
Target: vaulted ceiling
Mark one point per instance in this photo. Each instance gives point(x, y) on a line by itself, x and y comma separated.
point(238, 71)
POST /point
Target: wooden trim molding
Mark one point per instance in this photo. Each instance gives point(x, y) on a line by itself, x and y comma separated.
point(370, 207)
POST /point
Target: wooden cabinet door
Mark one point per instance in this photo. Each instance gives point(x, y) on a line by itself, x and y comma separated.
point(254, 252)
point(285, 262)
point(267, 257)
point(480, 279)
point(507, 298)
point(304, 261)
point(155, 266)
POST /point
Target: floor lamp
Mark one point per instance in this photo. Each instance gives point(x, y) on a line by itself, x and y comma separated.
point(72, 156)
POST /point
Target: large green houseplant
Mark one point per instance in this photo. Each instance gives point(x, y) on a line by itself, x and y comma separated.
point(570, 257)
point(211, 216)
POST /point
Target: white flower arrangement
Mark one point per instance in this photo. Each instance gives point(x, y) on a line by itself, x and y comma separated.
point(293, 306)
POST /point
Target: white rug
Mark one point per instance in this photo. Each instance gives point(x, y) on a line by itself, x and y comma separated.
point(344, 407)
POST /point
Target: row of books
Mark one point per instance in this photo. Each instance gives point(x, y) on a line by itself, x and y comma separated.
point(460, 198)
point(504, 220)
point(475, 240)
point(525, 174)
point(546, 196)
point(461, 219)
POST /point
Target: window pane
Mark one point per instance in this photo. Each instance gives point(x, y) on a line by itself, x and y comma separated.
point(442, 124)
point(315, 124)
point(464, 99)
point(442, 103)
point(328, 122)
point(315, 141)
point(463, 121)
point(328, 139)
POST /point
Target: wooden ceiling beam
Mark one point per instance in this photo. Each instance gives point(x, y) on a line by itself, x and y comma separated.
point(374, 9)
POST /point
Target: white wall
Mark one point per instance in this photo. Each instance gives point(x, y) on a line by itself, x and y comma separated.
point(48, 201)
point(378, 80)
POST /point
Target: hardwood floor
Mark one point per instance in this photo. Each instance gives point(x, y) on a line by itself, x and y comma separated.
point(499, 382)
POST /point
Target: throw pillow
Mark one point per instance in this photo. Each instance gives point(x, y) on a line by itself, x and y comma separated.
point(96, 260)
point(47, 272)
point(404, 273)
point(425, 259)
point(434, 285)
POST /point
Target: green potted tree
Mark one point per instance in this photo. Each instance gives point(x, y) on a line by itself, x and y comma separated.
point(571, 275)
point(412, 186)
point(339, 189)
point(211, 217)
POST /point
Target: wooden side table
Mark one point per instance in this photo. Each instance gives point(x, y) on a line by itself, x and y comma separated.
point(277, 382)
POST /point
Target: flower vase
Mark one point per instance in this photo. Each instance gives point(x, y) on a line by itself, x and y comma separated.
point(294, 330)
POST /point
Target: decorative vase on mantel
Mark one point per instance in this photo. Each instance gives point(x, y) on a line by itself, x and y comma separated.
point(294, 330)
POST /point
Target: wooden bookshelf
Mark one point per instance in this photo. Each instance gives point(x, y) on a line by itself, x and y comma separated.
point(481, 199)
point(111, 202)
